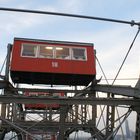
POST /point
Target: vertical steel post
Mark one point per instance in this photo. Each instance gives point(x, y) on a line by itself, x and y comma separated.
point(9, 47)
point(3, 106)
point(137, 133)
point(93, 95)
point(94, 110)
point(63, 111)
point(110, 117)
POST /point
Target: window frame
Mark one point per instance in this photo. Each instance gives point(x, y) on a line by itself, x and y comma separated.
point(80, 48)
point(36, 52)
point(62, 47)
point(39, 46)
point(71, 54)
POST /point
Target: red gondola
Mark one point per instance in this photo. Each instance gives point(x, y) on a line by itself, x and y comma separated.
point(52, 62)
point(42, 106)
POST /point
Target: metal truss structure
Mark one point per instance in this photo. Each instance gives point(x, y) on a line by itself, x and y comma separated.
point(80, 110)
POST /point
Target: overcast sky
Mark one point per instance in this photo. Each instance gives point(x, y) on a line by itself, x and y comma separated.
point(111, 40)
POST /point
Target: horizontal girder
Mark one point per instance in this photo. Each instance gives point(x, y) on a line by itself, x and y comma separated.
point(118, 90)
point(69, 101)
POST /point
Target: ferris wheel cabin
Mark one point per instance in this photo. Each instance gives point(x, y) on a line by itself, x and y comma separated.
point(52, 62)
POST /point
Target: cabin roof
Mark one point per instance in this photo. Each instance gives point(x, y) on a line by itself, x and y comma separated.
point(55, 42)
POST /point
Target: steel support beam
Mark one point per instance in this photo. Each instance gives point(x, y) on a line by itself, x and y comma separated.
point(62, 128)
point(70, 101)
point(132, 23)
point(16, 127)
point(118, 90)
point(110, 120)
point(2, 134)
point(55, 126)
point(3, 84)
point(137, 109)
point(137, 134)
point(138, 84)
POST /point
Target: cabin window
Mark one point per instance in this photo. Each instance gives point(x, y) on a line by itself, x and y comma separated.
point(46, 52)
point(78, 54)
point(58, 52)
point(29, 50)
point(62, 53)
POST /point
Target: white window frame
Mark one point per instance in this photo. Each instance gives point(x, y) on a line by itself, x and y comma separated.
point(63, 58)
point(37, 53)
point(21, 52)
point(45, 46)
point(79, 49)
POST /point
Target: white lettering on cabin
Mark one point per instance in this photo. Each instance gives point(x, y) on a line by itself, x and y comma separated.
point(55, 64)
